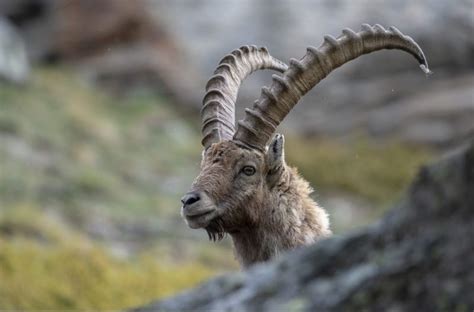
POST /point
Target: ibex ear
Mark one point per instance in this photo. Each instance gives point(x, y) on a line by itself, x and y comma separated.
point(275, 159)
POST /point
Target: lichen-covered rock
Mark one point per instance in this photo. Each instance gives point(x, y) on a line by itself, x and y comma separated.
point(419, 256)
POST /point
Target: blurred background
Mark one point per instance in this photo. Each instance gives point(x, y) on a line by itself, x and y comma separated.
point(100, 131)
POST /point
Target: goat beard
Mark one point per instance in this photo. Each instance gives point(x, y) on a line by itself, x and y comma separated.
point(215, 230)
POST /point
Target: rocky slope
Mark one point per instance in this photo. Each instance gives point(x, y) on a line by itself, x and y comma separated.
point(419, 255)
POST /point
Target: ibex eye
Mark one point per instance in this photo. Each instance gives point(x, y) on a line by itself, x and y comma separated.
point(248, 170)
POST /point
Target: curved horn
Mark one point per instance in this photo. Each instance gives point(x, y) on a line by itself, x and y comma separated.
point(218, 111)
point(276, 102)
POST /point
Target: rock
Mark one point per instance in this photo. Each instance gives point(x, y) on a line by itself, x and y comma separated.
point(122, 46)
point(14, 65)
point(92, 27)
point(35, 21)
point(419, 255)
point(117, 44)
point(76, 29)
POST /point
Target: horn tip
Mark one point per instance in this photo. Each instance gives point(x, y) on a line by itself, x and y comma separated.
point(426, 70)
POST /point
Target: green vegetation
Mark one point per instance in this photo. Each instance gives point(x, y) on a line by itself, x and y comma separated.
point(67, 145)
point(70, 153)
point(377, 173)
point(45, 266)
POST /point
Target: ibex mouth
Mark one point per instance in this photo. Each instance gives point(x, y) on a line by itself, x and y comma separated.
point(198, 214)
point(199, 219)
point(209, 220)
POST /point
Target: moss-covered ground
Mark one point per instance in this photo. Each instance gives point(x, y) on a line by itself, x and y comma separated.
point(48, 267)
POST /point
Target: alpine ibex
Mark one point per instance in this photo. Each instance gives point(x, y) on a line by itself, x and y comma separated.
point(245, 188)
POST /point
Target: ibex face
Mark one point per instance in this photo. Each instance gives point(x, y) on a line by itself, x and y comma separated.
point(233, 188)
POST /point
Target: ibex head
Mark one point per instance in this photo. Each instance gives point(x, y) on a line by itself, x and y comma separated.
point(233, 189)
point(241, 168)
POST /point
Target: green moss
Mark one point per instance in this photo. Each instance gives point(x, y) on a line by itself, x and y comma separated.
point(92, 182)
point(54, 268)
point(24, 221)
point(84, 277)
point(377, 173)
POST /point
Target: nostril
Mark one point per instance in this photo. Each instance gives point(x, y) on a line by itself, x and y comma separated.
point(190, 198)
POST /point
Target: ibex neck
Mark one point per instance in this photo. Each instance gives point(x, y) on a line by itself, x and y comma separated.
point(255, 245)
point(291, 219)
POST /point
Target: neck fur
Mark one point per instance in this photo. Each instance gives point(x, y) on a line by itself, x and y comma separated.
point(292, 219)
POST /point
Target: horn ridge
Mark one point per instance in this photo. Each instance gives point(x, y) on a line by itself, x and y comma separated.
point(218, 119)
point(278, 100)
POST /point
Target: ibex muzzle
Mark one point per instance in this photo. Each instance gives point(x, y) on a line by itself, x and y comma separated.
point(198, 209)
point(245, 187)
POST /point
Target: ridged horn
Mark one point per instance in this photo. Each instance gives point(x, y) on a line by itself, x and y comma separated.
point(218, 110)
point(275, 102)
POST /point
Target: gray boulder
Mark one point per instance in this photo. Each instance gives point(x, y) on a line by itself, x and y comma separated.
point(418, 257)
point(14, 65)
point(34, 20)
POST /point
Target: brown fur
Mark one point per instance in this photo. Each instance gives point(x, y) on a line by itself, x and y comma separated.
point(266, 213)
